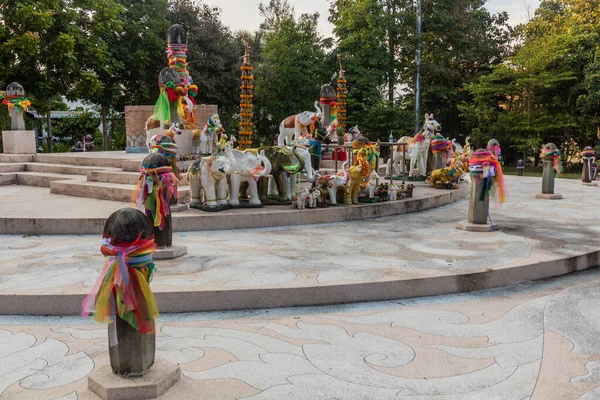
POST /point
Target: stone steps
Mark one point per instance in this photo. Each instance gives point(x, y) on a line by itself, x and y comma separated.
point(120, 177)
point(66, 169)
point(43, 179)
point(8, 179)
point(104, 190)
point(11, 167)
point(92, 159)
point(16, 158)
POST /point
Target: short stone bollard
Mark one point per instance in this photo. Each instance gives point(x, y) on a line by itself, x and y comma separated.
point(486, 179)
point(588, 158)
point(17, 140)
point(551, 160)
point(493, 146)
point(520, 167)
point(156, 187)
point(122, 297)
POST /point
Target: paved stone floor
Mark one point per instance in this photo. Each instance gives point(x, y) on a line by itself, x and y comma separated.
point(530, 341)
point(418, 245)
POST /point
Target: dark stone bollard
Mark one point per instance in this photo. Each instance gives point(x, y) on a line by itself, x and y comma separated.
point(163, 236)
point(166, 146)
point(588, 157)
point(478, 210)
point(328, 95)
point(131, 352)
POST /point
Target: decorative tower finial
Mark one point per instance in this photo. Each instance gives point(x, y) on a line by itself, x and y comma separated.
point(246, 87)
point(341, 97)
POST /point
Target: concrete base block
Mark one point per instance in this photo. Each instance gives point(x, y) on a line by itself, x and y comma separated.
point(19, 142)
point(590, 184)
point(108, 386)
point(169, 253)
point(549, 196)
point(467, 226)
point(178, 207)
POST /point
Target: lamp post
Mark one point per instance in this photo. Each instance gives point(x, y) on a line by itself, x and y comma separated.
point(418, 75)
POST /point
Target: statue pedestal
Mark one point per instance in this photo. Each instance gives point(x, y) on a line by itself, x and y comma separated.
point(19, 142)
point(169, 253)
point(108, 386)
point(467, 226)
point(548, 196)
point(590, 184)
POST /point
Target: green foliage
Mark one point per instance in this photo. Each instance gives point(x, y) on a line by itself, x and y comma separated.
point(291, 71)
point(72, 130)
point(548, 91)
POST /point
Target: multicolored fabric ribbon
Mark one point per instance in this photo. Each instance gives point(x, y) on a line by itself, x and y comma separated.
point(439, 144)
point(554, 155)
point(496, 151)
point(122, 288)
point(18, 103)
point(168, 150)
point(154, 191)
point(483, 165)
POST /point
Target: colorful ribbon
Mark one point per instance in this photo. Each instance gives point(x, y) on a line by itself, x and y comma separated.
point(18, 103)
point(122, 288)
point(554, 155)
point(154, 191)
point(169, 150)
point(483, 165)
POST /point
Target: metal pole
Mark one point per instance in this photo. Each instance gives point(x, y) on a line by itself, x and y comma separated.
point(418, 75)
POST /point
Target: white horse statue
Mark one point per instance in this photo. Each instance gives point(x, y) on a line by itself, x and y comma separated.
point(416, 149)
point(208, 142)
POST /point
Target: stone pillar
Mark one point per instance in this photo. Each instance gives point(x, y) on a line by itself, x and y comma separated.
point(494, 146)
point(478, 210)
point(328, 95)
point(162, 237)
point(131, 353)
point(548, 177)
point(18, 140)
point(588, 159)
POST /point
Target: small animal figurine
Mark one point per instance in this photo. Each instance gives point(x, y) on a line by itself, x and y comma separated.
point(393, 193)
point(314, 195)
point(302, 197)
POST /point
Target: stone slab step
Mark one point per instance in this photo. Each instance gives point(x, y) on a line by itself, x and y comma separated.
point(16, 158)
point(10, 167)
point(42, 179)
point(65, 169)
point(94, 159)
point(8, 179)
point(104, 190)
point(134, 165)
point(121, 177)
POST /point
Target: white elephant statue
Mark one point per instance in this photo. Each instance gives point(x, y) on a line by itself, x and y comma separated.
point(209, 174)
point(246, 166)
point(393, 192)
point(302, 197)
point(415, 148)
point(313, 197)
point(208, 136)
point(293, 127)
point(333, 182)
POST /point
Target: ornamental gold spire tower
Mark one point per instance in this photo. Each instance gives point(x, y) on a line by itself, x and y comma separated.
point(246, 95)
point(341, 97)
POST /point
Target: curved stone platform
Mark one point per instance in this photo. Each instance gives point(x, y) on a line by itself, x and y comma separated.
point(33, 211)
point(412, 255)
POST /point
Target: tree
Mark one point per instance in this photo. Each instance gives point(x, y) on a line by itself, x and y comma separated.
point(361, 31)
point(38, 50)
point(291, 70)
point(549, 90)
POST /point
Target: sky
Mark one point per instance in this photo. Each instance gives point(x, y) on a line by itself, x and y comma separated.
point(243, 14)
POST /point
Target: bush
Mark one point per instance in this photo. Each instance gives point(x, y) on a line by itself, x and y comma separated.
point(72, 130)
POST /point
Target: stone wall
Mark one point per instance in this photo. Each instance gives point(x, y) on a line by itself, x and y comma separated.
point(135, 124)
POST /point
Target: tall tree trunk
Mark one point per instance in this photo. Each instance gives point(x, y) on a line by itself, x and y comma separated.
point(104, 129)
point(391, 8)
point(49, 127)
